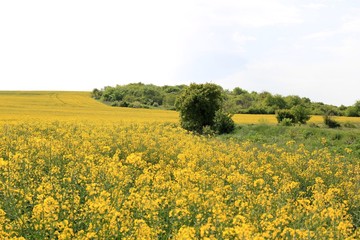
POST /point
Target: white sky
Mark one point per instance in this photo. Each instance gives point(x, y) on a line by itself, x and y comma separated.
point(302, 47)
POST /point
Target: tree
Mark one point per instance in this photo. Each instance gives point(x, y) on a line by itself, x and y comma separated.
point(198, 105)
point(353, 111)
point(96, 93)
point(301, 113)
point(285, 115)
point(276, 102)
point(238, 91)
point(298, 114)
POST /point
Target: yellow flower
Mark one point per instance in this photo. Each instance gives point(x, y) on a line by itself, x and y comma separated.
point(185, 233)
point(259, 182)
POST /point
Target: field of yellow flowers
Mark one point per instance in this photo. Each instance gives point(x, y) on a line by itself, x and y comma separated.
point(72, 168)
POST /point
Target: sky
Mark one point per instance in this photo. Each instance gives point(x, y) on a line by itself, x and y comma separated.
point(288, 47)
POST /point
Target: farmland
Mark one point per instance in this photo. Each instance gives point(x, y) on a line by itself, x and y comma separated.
point(74, 168)
point(71, 106)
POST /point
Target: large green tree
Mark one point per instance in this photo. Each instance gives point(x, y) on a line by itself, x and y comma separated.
point(198, 105)
point(354, 111)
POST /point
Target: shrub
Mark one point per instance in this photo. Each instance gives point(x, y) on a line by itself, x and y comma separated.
point(285, 114)
point(352, 112)
point(123, 104)
point(198, 104)
point(207, 130)
point(301, 114)
point(331, 123)
point(114, 104)
point(223, 123)
point(298, 114)
point(136, 104)
point(286, 122)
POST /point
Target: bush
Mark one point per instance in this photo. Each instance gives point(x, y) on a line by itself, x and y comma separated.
point(223, 123)
point(285, 114)
point(331, 123)
point(136, 104)
point(198, 104)
point(257, 110)
point(208, 131)
point(123, 104)
point(352, 112)
point(286, 122)
point(298, 114)
point(114, 104)
point(301, 114)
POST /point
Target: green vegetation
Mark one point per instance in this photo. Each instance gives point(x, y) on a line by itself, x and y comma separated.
point(200, 106)
point(331, 123)
point(223, 122)
point(353, 111)
point(139, 95)
point(297, 114)
point(342, 140)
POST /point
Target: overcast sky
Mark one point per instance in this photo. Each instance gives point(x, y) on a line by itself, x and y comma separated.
point(288, 47)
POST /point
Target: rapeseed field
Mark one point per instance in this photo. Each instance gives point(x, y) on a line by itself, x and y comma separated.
point(72, 168)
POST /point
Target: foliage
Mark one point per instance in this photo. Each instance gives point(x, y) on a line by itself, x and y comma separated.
point(298, 114)
point(275, 102)
point(198, 105)
point(96, 93)
point(236, 101)
point(139, 95)
point(208, 131)
point(311, 136)
point(353, 111)
point(301, 114)
point(286, 122)
point(285, 114)
point(330, 122)
point(223, 123)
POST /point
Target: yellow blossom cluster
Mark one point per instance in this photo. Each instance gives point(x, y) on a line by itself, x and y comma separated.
point(86, 180)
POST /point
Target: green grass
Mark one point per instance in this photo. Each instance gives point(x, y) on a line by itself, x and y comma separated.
point(337, 140)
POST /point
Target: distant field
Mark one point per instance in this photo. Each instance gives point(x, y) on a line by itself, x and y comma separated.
point(78, 106)
point(67, 106)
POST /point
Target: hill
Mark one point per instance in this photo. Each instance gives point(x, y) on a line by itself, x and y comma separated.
point(66, 106)
point(139, 95)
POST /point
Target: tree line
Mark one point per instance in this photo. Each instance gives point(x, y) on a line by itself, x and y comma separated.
point(238, 100)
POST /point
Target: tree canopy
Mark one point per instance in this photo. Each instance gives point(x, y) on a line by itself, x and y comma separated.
point(201, 109)
point(236, 101)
